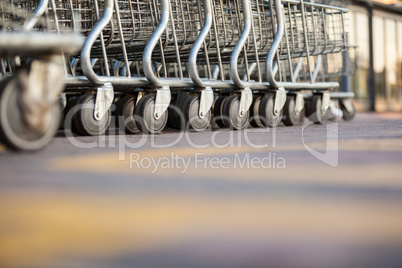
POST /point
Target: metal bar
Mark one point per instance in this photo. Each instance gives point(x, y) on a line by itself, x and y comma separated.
point(257, 59)
point(317, 68)
point(306, 39)
point(175, 43)
point(123, 43)
point(371, 60)
point(218, 51)
point(192, 61)
point(40, 9)
point(129, 83)
point(288, 50)
point(156, 35)
point(275, 45)
point(234, 73)
point(93, 35)
point(102, 41)
point(345, 10)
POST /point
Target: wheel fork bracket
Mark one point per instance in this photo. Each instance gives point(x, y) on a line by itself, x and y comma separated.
point(206, 101)
point(162, 101)
point(280, 99)
point(299, 103)
point(246, 99)
point(348, 103)
point(104, 99)
point(326, 99)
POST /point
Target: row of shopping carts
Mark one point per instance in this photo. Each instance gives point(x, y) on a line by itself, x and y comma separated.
point(184, 63)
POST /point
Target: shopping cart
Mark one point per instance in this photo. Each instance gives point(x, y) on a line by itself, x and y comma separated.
point(31, 75)
point(249, 53)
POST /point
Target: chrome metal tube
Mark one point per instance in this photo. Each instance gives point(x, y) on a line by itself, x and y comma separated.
point(317, 68)
point(297, 69)
point(275, 45)
point(93, 35)
point(153, 41)
point(192, 61)
point(306, 40)
point(234, 73)
point(40, 9)
point(344, 10)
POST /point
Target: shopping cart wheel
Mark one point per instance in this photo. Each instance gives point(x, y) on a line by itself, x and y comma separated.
point(61, 122)
point(315, 112)
point(231, 115)
point(218, 109)
point(266, 111)
point(346, 115)
point(84, 121)
point(14, 133)
point(330, 115)
point(175, 115)
point(191, 109)
point(144, 116)
point(290, 118)
point(254, 114)
point(125, 115)
point(68, 114)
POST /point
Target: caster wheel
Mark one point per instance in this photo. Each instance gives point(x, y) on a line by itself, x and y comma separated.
point(190, 109)
point(125, 115)
point(115, 104)
point(218, 109)
point(68, 115)
point(347, 116)
point(14, 133)
point(254, 114)
point(175, 116)
point(62, 108)
point(266, 111)
point(231, 113)
point(61, 126)
point(144, 116)
point(330, 115)
point(315, 112)
point(307, 109)
point(84, 122)
point(290, 118)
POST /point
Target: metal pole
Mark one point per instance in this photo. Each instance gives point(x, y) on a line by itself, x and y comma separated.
point(371, 60)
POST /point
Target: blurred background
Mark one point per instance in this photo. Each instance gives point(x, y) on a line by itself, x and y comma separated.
point(375, 27)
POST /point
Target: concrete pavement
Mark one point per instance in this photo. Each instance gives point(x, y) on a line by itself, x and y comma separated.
point(230, 202)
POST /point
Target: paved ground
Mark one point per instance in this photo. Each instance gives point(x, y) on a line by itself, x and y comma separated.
point(235, 202)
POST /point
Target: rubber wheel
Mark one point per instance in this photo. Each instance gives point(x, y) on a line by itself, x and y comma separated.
point(175, 116)
point(254, 112)
point(347, 116)
point(13, 131)
point(218, 111)
point(113, 107)
point(84, 121)
point(193, 121)
point(144, 116)
point(231, 115)
point(67, 123)
point(290, 118)
point(125, 115)
point(266, 111)
point(62, 108)
point(330, 115)
point(315, 112)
